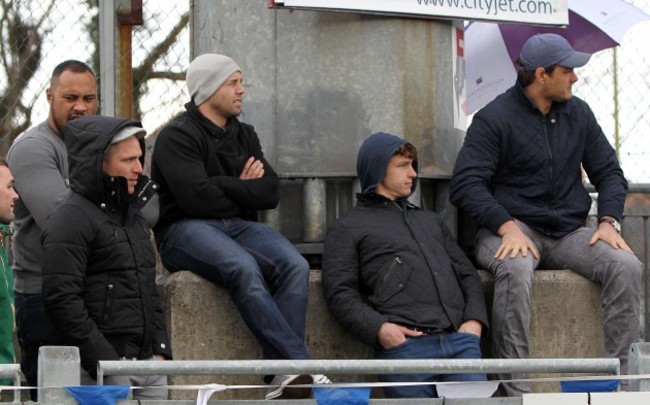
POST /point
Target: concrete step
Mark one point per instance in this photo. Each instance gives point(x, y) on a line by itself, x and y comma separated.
point(205, 325)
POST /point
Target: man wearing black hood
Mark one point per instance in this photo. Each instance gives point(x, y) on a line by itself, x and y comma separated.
point(394, 277)
point(98, 262)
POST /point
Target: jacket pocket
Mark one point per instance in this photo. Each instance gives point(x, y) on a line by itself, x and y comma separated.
point(394, 279)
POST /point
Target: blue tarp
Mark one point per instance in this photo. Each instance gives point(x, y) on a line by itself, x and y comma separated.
point(98, 394)
point(342, 396)
point(590, 386)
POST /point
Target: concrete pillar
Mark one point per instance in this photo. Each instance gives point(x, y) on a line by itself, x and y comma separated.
point(639, 363)
point(314, 213)
point(271, 217)
point(356, 188)
point(318, 83)
point(58, 366)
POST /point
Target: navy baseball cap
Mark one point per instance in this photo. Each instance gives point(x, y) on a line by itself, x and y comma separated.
point(544, 50)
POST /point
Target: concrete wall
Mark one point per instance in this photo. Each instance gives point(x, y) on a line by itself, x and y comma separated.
point(320, 82)
point(205, 325)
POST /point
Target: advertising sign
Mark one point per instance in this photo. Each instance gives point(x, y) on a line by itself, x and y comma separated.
point(538, 12)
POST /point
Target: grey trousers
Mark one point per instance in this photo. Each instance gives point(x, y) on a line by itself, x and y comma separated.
point(617, 271)
point(149, 381)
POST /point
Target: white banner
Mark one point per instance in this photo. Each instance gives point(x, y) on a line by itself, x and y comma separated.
point(539, 12)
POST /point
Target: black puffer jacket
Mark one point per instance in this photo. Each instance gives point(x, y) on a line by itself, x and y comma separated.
point(391, 261)
point(98, 263)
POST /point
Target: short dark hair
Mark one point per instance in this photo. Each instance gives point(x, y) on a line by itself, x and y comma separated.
point(3, 163)
point(72, 65)
point(407, 150)
point(526, 77)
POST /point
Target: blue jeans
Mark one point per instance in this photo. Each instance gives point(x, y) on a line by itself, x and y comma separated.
point(266, 276)
point(441, 346)
point(617, 271)
point(34, 330)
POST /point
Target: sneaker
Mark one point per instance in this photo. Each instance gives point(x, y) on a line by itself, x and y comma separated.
point(279, 387)
point(321, 379)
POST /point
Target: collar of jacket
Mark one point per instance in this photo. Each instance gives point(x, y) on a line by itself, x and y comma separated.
point(116, 192)
point(556, 107)
point(372, 198)
point(209, 126)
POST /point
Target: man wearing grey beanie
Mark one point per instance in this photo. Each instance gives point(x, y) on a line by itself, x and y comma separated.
point(213, 178)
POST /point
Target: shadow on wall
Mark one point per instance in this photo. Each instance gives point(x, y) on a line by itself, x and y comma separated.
point(321, 133)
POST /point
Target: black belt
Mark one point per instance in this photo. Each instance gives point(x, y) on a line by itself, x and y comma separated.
point(428, 331)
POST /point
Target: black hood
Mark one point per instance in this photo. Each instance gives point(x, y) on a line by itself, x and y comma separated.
point(86, 140)
point(374, 154)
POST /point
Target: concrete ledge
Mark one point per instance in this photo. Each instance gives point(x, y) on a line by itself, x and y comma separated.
point(205, 325)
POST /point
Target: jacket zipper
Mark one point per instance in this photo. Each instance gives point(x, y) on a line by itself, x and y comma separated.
point(395, 262)
point(109, 300)
point(550, 162)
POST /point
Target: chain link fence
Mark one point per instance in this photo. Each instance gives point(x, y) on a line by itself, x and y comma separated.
point(39, 34)
point(616, 84)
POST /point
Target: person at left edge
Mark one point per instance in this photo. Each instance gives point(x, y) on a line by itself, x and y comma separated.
point(98, 259)
point(8, 198)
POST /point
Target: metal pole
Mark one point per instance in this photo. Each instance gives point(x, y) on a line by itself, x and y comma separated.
point(107, 56)
point(314, 199)
point(125, 85)
point(647, 278)
point(349, 367)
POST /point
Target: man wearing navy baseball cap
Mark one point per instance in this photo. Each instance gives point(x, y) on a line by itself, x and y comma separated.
point(519, 175)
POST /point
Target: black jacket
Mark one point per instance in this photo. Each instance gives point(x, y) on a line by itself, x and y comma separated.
point(518, 163)
point(391, 261)
point(198, 164)
point(99, 264)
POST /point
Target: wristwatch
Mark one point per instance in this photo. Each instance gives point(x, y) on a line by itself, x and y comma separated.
point(613, 222)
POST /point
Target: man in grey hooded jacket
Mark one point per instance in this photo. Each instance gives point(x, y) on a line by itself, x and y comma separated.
point(393, 275)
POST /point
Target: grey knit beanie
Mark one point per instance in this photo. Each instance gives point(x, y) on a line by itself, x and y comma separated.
point(207, 73)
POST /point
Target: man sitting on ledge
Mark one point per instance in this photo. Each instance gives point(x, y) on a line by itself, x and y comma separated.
point(394, 277)
point(214, 178)
point(519, 174)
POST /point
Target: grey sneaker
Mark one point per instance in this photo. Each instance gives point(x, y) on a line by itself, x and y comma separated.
point(279, 388)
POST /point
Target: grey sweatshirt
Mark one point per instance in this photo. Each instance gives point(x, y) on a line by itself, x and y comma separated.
point(39, 164)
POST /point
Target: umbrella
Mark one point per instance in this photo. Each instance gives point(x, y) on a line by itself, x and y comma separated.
point(491, 49)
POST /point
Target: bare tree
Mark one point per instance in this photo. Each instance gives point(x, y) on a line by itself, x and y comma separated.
point(22, 53)
point(22, 40)
point(145, 72)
